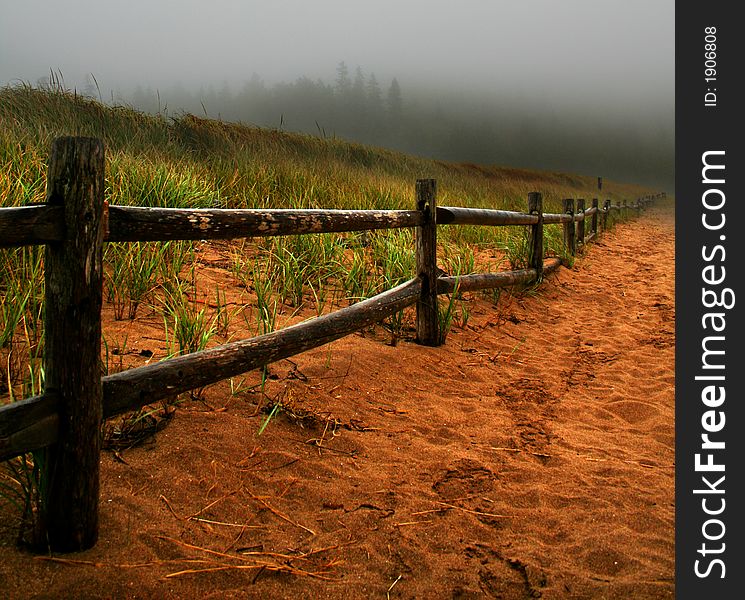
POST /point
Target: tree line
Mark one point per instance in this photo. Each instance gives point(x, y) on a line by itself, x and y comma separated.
point(457, 125)
point(355, 106)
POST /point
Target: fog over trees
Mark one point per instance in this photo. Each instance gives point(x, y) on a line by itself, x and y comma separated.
point(531, 130)
point(447, 124)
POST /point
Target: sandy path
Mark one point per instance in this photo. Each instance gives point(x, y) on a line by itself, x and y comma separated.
point(531, 456)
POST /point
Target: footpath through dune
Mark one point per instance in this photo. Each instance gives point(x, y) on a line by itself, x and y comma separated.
point(531, 456)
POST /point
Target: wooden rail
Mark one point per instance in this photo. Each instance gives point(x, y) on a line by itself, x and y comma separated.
point(28, 425)
point(131, 224)
point(64, 422)
point(450, 215)
point(31, 225)
point(485, 281)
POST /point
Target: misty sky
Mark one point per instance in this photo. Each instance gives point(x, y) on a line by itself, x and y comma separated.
point(612, 59)
point(614, 49)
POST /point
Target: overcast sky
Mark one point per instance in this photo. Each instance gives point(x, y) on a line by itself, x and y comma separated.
point(619, 50)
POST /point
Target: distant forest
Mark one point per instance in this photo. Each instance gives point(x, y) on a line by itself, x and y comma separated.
point(452, 125)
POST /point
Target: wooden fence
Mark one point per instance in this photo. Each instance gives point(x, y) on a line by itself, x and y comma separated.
point(64, 423)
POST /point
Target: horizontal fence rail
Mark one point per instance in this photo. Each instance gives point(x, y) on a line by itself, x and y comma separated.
point(550, 218)
point(28, 425)
point(43, 223)
point(485, 281)
point(130, 224)
point(65, 419)
point(451, 215)
point(31, 225)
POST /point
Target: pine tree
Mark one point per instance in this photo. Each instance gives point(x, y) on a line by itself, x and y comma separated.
point(358, 90)
point(374, 97)
point(343, 83)
point(395, 103)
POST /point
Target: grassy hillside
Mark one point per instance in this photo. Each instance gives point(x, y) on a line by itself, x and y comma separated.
point(186, 161)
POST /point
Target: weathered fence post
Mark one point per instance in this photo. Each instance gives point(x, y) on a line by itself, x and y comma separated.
point(427, 319)
point(581, 223)
point(72, 357)
point(606, 211)
point(638, 207)
point(569, 227)
point(594, 222)
point(625, 211)
point(535, 256)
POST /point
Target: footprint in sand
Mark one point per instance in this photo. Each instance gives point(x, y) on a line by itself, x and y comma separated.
point(464, 478)
point(633, 411)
